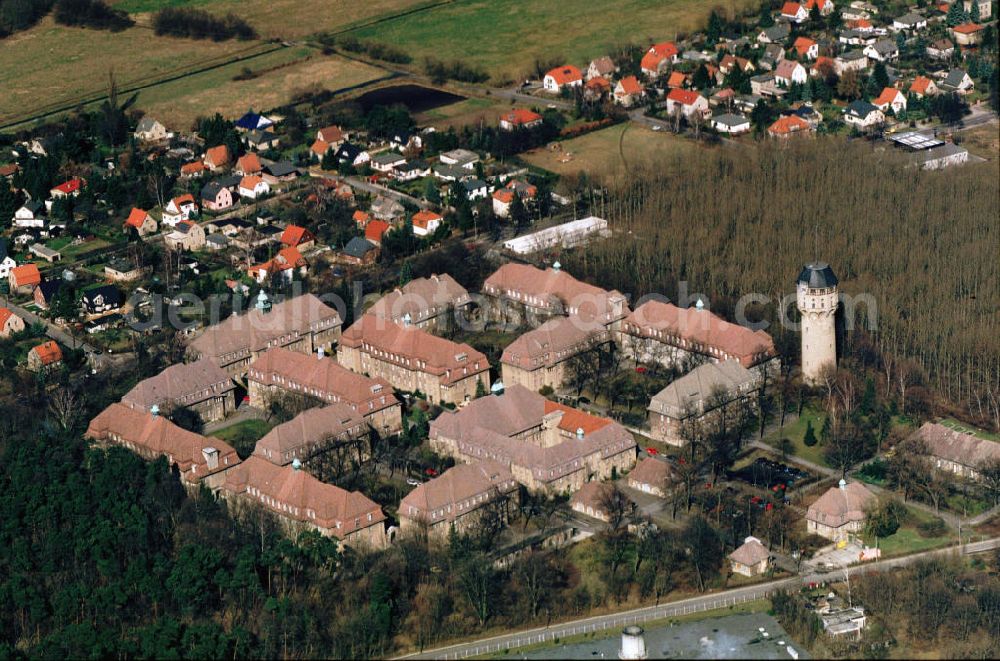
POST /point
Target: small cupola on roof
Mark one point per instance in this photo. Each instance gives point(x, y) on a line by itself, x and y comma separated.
point(817, 275)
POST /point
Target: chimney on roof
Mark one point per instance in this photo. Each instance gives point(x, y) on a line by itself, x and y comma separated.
point(211, 457)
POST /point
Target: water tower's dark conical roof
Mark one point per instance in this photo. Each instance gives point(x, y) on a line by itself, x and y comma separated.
point(818, 275)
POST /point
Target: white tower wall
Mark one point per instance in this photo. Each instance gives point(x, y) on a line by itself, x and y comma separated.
point(818, 308)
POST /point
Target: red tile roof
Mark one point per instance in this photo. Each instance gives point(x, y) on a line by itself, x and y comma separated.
point(684, 97)
point(521, 116)
point(186, 198)
point(630, 85)
point(676, 79)
point(803, 44)
point(217, 156)
point(841, 505)
point(600, 84)
point(565, 74)
point(574, 419)
point(320, 148)
point(375, 229)
point(967, 28)
point(887, 96)
point(48, 352)
point(787, 125)
point(790, 9)
point(26, 275)
point(820, 3)
point(330, 134)
point(250, 182)
point(136, 218)
point(555, 290)
point(249, 164)
point(5, 314)
point(70, 186)
point(424, 218)
point(310, 432)
point(503, 195)
point(438, 499)
point(920, 85)
point(192, 168)
point(361, 217)
point(295, 235)
point(656, 54)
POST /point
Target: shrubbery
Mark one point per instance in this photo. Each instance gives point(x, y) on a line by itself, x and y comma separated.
point(379, 51)
point(455, 70)
point(95, 14)
point(199, 24)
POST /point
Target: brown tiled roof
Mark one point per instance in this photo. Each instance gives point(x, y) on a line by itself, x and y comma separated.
point(297, 495)
point(691, 393)
point(415, 349)
point(841, 505)
point(556, 340)
point(651, 471)
point(217, 156)
point(700, 331)
point(786, 68)
point(26, 274)
point(154, 435)
point(750, 553)
point(183, 384)
point(309, 432)
point(323, 378)
point(48, 352)
point(249, 164)
point(422, 299)
point(330, 134)
point(294, 235)
point(950, 445)
point(592, 495)
point(457, 491)
point(257, 331)
point(555, 290)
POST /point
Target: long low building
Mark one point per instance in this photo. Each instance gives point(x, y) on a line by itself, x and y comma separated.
point(413, 360)
point(313, 432)
point(457, 498)
point(198, 458)
point(303, 324)
point(960, 453)
point(302, 502)
point(279, 371)
point(566, 235)
point(548, 447)
point(538, 357)
point(201, 386)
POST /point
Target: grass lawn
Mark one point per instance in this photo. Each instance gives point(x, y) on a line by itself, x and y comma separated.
point(795, 431)
point(600, 152)
point(506, 37)
point(982, 141)
point(908, 540)
point(243, 435)
point(470, 111)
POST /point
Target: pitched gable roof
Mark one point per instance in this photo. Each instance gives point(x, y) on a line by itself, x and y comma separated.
point(26, 275)
point(684, 97)
point(565, 74)
point(48, 353)
point(136, 218)
point(840, 505)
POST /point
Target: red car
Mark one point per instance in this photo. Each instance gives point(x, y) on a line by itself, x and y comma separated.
point(640, 370)
point(431, 472)
point(652, 451)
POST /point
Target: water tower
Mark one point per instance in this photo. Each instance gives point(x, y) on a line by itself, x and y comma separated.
point(817, 299)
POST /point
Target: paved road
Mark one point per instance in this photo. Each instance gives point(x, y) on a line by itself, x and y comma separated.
point(58, 334)
point(614, 621)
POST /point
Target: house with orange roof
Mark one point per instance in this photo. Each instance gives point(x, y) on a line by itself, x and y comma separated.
point(319, 149)
point(182, 207)
point(596, 88)
point(688, 102)
point(793, 12)
point(677, 79)
point(968, 34)
point(361, 218)
point(520, 118)
point(629, 91)
point(295, 236)
point(283, 265)
point(923, 86)
point(890, 99)
point(426, 222)
point(375, 230)
point(333, 136)
point(23, 279)
point(10, 323)
point(253, 187)
point(788, 126)
point(560, 78)
point(659, 58)
point(860, 24)
point(217, 158)
point(192, 170)
point(69, 188)
point(45, 356)
point(502, 199)
point(806, 48)
point(249, 163)
point(825, 6)
point(141, 221)
point(730, 62)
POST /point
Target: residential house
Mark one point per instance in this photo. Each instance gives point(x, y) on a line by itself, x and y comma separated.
point(628, 91)
point(253, 187)
point(911, 21)
point(826, 7)
point(596, 89)
point(731, 124)
point(602, 67)
point(281, 372)
point(592, 499)
point(560, 78)
point(6, 261)
point(942, 49)
point(69, 188)
point(388, 209)
point(840, 512)
point(295, 236)
point(192, 170)
point(959, 452)
point(664, 333)
point(462, 158)
point(412, 359)
point(303, 323)
point(216, 197)
point(406, 142)
point(520, 118)
point(957, 81)
point(23, 279)
point(352, 155)
point(985, 8)
point(332, 135)
point(45, 356)
point(923, 86)
point(284, 265)
point(652, 476)
point(248, 164)
point(751, 558)
point(475, 189)
point(863, 115)
point(699, 397)
point(549, 447)
point(150, 130)
point(261, 140)
point(187, 235)
point(658, 59)
point(823, 66)
point(141, 222)
point(806, 48)
point(411, 170)
point(10, 323)
point(316, 431)
point(182, 207)
point(883, 50)
point(387, 161)
point(458, 499)
point(217, 158)
point(676, 79)
point(202, 387)
point(773, 53)
point(198, 459)
point(790, 71)
point(776, 34)
point(361, 218)
point(538, 358)
point(968, 34)
point(731, 62)
point(426, 222)
point(45, 293)
point(359, 252)
point(216, 242)
point(101, 300)
point(123, 270)
point(890, 99)
point(427, 303)
point(793, 12)
point(688, 102)
point(375, 230)
point(282, 171)
point(30, 214)
point(854, 60)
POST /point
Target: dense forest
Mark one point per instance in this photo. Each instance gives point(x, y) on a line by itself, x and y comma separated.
point(733, 221)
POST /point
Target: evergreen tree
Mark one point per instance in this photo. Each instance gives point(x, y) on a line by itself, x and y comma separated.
point(714, 30)
point(956, 14)
point(700, 79)
point(974, 15)
point(8, 202)
point(881, 76)
point(405, 274)
point(766, 19)
point(810, 436)
point(431, 192)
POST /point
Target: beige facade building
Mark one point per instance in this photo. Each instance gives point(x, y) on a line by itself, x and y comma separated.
point(956, 452)
point(301, 502)
point(279, 371)
point(651, 476)
point(315, 431)
point(840, 512)
point(548, 447)
point(411, 360)
point(427, 303)
point(751, 559)
point(459, 499)
point(201, 386)
point(303, 323)
point(538, 357)
point(10, 323)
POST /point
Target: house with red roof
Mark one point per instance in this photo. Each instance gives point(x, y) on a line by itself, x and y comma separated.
point(730, 62)
point(659, 58)
point(141, 221)
point(283, 265)
point(44, 356)
point(23, 279)
point(562, 78)
point(596, 88)
point(806, 48)
point(426, 222)
point(890, 99)
point(361, 218)
point(295, 236)
point(10, 323)
point(69, 188)
point(788, 126)
point(793, 12)
point(520, 118)
point(825, 6)
point(502, 199)
point(968, 34)
point(192, 170)
point(333, 136)
point(375, 230)
point(629, 91)
point(823, 66)
point(217, 158)
point(688, 102)
point(319, 149)
point(253, 187)
point(182, 207)
point(677, 79)
point(249, 163)
point(923, 86)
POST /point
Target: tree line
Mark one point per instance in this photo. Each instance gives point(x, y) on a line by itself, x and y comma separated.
point(199, 24)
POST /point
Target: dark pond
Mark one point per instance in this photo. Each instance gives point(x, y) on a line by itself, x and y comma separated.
point(416, 98)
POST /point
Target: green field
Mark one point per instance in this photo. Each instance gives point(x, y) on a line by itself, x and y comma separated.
point(795, 431)
point(507, 36)
point(908, 540)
